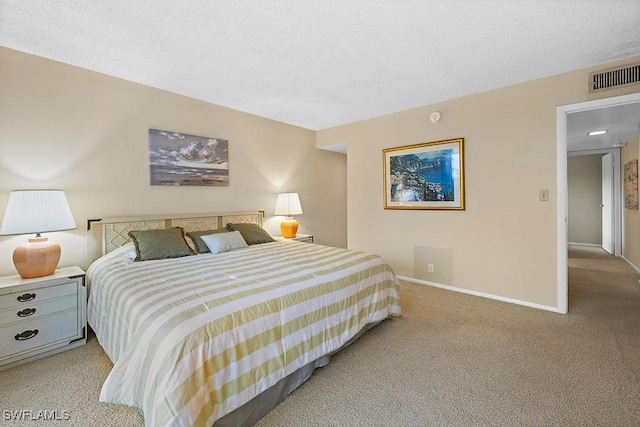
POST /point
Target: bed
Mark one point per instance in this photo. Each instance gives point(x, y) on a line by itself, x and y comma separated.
point(221, 338)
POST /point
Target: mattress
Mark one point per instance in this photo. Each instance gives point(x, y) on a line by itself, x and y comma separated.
point(193, 339)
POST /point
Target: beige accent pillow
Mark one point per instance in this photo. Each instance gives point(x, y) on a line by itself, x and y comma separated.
point(195, 237)
point(224, 242)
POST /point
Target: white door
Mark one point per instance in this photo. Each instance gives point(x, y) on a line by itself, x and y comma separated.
point(607, 203)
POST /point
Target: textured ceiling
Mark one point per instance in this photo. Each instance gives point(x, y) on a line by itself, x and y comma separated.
point(319, 64)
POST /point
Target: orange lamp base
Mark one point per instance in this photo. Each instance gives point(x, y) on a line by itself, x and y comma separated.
point(39, 257)
point(289, 228)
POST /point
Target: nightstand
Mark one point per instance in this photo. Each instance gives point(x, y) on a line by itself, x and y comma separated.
point(41, 316)
point(306, 238)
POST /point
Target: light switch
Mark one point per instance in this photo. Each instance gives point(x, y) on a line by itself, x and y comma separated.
point(544, 195)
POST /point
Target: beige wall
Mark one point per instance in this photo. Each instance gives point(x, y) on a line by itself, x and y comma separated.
point(584, 180)
point(631, 217)
point(86, 133)
point(505, 243)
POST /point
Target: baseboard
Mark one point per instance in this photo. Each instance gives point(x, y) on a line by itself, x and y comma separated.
point(481, 294)
point(585, 244)
point(632, 265)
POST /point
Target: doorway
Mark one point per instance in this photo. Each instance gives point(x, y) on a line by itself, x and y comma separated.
point(562, 187)
point(592, 217)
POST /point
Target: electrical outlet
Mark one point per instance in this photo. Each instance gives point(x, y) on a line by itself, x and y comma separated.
point(430, 268)
point(544, 195)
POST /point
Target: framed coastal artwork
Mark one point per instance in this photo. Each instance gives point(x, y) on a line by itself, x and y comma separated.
point(182, 159)
point(631, 184)
point(425, 176)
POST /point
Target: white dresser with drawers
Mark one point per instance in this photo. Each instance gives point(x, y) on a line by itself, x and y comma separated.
point(41, 316)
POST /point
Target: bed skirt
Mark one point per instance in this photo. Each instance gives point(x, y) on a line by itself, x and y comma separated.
point(252, 411)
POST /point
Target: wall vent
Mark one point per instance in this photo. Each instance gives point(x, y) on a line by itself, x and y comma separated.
point(612, 78)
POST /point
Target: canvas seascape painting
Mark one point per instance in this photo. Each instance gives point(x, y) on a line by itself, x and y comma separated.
point(182, 159)
point(424, 176)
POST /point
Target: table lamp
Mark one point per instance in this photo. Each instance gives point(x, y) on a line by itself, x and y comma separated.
point(288, 204)
point(36, 211)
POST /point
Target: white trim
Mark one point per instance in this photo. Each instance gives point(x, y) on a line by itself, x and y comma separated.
point(599, 103)
point(480, 294)
point(561, 220)
point(589, 152)
point(561, 213)
point(597, 245)
point(637, 269)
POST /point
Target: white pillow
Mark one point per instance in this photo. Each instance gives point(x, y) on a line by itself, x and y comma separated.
point(224, 242)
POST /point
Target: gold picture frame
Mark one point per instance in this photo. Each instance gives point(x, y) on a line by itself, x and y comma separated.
point(425, 176)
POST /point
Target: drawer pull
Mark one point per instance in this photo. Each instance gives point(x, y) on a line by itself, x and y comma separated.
point(26, 297)
point(26, 312)
point(26, 335)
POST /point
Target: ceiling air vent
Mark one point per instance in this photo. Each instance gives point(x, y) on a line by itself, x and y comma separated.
point(614, 78)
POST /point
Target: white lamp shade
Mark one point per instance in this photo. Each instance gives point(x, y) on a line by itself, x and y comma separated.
point(288, 204)
point(37, 211)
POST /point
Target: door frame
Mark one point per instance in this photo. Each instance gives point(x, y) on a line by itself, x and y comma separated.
point(610, 203)
point(562, 186)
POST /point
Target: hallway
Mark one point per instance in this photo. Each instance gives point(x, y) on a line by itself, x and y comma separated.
point(605, 289)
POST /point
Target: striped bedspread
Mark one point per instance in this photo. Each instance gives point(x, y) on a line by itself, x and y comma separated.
point(194, 338)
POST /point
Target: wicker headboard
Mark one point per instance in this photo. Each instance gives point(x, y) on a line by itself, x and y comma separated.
point(107, 234)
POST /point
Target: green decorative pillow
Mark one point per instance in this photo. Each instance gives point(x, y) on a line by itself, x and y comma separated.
point(160, 244)
point(253, 234)
point(196, 238)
